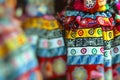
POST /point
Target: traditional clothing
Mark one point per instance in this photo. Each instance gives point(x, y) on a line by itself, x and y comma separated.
point(45, 34)
point(92, 40)
point(17, 59)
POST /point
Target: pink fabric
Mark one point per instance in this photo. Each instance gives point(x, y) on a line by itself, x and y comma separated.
point(118, 6)
point(96, 74)
point(78, 5)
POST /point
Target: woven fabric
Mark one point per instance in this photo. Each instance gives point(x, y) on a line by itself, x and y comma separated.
point(17, 58)
point(92, 44)
point(46, 37)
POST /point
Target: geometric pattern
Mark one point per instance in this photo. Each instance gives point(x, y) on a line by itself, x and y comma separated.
point(77, 51)
point(85, 60)
point(51, 52)
point(50, 43)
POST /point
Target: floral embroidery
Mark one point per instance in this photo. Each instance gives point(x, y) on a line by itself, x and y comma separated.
point(59, 66)
point(79, 74)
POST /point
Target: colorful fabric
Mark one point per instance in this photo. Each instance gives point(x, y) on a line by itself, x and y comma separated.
point(92, 41)
point(115, 9)
point(90, 6)
point(46, 35)
point(16, 55)
point(39, 7)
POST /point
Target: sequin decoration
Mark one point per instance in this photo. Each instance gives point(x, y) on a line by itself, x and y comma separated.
point(94, 51)
point(80, 32)
point(73, 51)
point(83, 50)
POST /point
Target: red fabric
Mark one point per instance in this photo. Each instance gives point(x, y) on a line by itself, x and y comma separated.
point(89, 70)
point(42, 61)
point(80, 5)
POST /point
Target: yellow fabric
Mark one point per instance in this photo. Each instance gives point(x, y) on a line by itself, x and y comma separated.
point(41, 23)
point(108, 35)
point(15, 42)
point(103, 8)
point(3, 51)
point(21, 39)
point(84, 33)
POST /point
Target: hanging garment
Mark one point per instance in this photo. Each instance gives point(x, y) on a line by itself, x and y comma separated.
point(45, 35)
point(115, 9)
point(92, 41)
point(51, 51)
point(17, 59)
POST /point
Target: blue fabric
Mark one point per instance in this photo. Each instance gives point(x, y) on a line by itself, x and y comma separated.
point(51, 52)
point(85, 59)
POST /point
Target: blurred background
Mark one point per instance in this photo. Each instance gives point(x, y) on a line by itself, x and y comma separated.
point(32, 45)
point(31, 40)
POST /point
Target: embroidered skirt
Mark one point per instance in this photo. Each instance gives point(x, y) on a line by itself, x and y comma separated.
point(46, 35)
point(92, 46)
